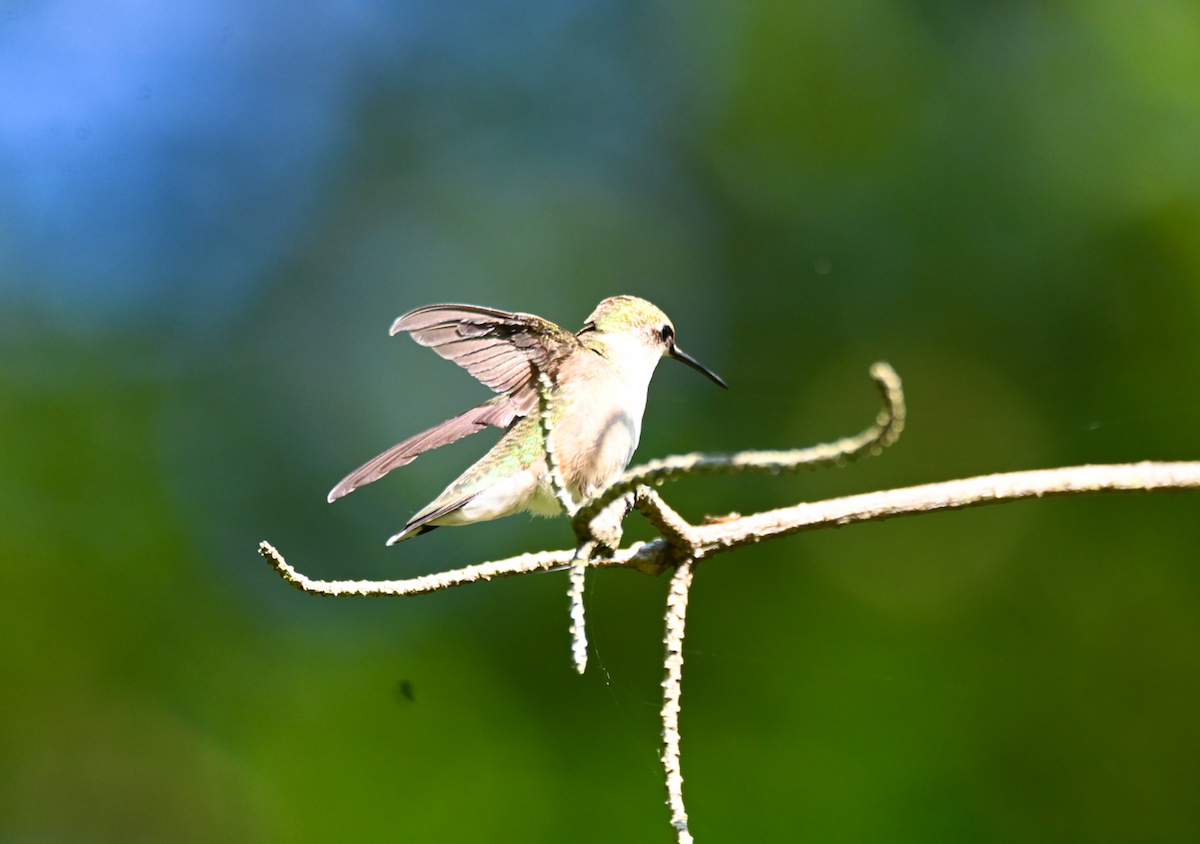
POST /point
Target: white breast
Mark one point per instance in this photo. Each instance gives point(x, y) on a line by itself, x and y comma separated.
point(603, 425)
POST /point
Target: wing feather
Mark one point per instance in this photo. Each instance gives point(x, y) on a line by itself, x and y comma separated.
point(503, 350)
point(499, 412)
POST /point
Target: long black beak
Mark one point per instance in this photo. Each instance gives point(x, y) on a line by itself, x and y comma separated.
point(681, 355)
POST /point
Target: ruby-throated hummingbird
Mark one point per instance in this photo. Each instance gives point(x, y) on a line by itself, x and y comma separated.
point(598, 382)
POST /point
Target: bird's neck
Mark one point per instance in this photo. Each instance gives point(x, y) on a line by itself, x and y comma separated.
point(632, 359)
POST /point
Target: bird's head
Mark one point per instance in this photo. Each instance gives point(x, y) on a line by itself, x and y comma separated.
point(639, 333)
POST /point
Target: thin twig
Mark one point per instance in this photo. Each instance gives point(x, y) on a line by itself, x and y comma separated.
point(578, 628)
point(557, 482)
point(677, 601)
point(666, 521)
point(639, 556)
point(583, 553)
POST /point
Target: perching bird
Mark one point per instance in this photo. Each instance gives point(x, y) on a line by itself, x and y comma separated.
point(598, 377)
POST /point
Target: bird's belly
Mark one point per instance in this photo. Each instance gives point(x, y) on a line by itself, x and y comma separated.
point(603, 460)
point(505, 497)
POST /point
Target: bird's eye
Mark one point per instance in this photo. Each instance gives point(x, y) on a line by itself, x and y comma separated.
point(667, 332)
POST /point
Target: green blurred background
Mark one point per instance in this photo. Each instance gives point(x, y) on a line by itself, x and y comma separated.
point(210, 212)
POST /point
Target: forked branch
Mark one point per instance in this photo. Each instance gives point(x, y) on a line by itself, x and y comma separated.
point(698, 542)
point(597, 522)
point(597, 525)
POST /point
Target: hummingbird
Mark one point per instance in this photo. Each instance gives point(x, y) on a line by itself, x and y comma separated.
point(598, 380)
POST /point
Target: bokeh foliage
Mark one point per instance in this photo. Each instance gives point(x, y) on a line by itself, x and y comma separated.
point(1002, 200)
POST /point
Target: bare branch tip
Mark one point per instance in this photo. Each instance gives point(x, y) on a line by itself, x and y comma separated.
point(268, 551)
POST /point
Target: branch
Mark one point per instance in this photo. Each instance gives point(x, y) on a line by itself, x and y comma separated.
point(597, 522)
point(597, 526)
point(686, 541)
point(709, 540)
point(637, 556)
point(583, 553)
point(557, 482)
point(677, 601)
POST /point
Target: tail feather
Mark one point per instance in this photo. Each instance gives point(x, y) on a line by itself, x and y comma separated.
point(499, 412)
point(409, 533)
point(420, 523)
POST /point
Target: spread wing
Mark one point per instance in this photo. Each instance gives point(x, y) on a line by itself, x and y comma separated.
point(497, 411)
point(505, 351)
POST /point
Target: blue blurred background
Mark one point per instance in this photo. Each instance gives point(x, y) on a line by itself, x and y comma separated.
point(210, 212)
